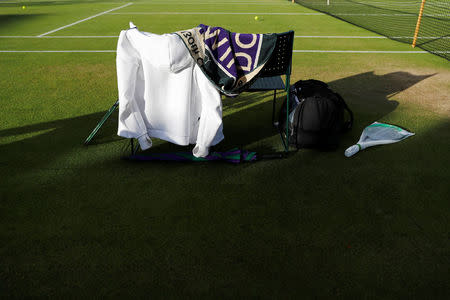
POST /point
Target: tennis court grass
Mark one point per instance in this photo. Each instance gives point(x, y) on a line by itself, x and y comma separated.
point(80, 221)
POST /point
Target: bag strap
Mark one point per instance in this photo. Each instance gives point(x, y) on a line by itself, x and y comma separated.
point(348, 124)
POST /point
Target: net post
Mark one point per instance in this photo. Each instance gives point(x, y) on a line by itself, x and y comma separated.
point(419, 19)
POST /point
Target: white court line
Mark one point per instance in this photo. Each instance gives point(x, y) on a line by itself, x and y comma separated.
point(51, 2)
point(338, 37)
point(220, 3)
point(171, 2)
point(380, 4)
point(388, 15)
point(268, 13)
point(364, 51)
point(212, 2)
point(58, 36)
point(297, 36)
point(88, 18)
point(168, 2)
point(57, 51)
point(368, 37)
point(216, 13)
point(295, 51)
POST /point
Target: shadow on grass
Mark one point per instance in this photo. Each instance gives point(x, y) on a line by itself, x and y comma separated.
point(309, 228)
point(366, 94)
point(8, 20)
point(370, 94)
point(48, 3)
point(433, 40)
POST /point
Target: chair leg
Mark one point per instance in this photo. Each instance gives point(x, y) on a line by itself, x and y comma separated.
point(274, 106)
point(134, 148)
point(102, 121)
point(288, 85)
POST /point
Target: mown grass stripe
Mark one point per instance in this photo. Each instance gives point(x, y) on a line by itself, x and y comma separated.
point(295, 51)
point(216, 13)
point(57, 51)
point(276, 13)
point(223, 3)
point(266, 13)
point(57, 36)
point(297, 36)
point(367, 37)
point(86, 19)
point(363, 51)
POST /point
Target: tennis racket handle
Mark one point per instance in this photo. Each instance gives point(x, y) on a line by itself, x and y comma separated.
point(352, 150)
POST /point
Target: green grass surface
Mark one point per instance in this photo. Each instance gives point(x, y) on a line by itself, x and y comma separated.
point(78, 221)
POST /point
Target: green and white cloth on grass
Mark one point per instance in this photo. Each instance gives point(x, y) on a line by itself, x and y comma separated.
point(378, 134)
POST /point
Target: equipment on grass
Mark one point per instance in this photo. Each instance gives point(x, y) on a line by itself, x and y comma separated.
point(378, 134)
point(316, 116)
point(269, 78)
point(234, 156)
point(424, 24)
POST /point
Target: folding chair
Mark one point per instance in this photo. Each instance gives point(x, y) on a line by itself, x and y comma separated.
point(280, 63)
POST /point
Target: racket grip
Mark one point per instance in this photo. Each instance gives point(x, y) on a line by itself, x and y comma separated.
point(352, 150)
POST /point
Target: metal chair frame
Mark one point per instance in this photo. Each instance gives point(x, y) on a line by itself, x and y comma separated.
point(279, 64)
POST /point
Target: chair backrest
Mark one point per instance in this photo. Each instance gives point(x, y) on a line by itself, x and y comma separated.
point(280, 61)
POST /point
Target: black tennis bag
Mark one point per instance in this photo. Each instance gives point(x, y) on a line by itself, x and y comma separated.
point(316, 116)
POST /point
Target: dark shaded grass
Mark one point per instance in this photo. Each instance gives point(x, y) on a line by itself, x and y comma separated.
point(80, 222)
point(313, 225)
point(13, 19)
point(112, 228)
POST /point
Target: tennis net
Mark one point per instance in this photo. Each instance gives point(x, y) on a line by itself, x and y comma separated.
point(395, 19)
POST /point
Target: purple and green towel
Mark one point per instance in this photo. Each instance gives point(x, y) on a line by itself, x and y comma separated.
point(233, 156)
point(228, 59)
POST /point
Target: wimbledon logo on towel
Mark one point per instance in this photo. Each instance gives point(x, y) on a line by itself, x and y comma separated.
point(240, 55)
point(228, 59)
point(194, 44)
